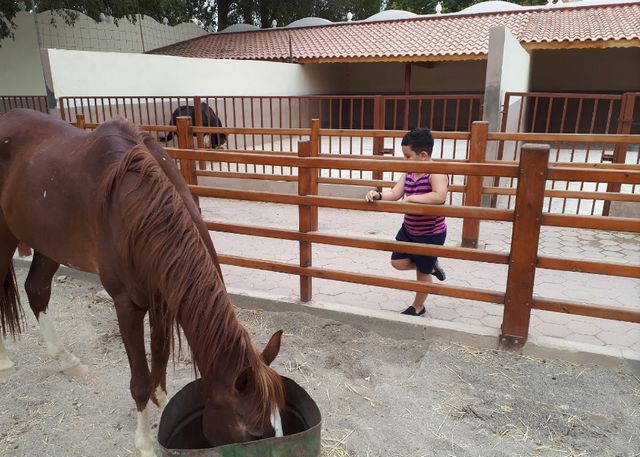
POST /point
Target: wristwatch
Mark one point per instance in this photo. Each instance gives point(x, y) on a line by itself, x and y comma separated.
point(380, 195)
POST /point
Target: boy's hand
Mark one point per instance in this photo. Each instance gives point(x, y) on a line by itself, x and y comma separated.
point(373, 195)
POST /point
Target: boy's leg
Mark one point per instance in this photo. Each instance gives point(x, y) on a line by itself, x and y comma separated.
point(403, 264)
point(421, 297)
point(438, 272)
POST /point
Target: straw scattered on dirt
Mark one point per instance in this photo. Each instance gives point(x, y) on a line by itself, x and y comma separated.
point(378, 396)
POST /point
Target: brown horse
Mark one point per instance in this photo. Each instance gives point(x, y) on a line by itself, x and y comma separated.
point(113, 203)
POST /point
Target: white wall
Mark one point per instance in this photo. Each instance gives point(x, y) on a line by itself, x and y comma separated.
point(508, 66)
point(20, 68)
point(86, 73)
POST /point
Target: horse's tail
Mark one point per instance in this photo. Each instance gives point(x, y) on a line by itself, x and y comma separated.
point(11, 314)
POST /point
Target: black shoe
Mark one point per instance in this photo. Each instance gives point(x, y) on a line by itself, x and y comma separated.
point(411, 311)
point(438, 272)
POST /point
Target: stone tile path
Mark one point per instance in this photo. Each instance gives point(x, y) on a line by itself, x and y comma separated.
point(495, 236)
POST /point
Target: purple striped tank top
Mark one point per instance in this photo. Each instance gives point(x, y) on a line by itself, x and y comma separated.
point(421, 225)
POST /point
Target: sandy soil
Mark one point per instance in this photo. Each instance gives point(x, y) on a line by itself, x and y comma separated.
point(378, 396)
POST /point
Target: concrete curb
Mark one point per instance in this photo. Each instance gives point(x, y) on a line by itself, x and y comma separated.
point(394, 325)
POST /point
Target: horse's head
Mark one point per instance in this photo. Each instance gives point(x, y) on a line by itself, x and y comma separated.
point(249, 408)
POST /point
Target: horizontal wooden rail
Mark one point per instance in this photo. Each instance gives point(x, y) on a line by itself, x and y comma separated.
point(590, 175)
point(554, 193)
point(557, 193)
point(508, 171)
point(390, 134)
point(363, 243)
point(591, 222)
point(355, 204)
point(143, 127)
point(359, 278)
point(364, 133)
point(564, 138)
point(581, 309)
point(252, 131)
point(589, 266)
point(586, 165)
point(321, 180)
point(238, 175)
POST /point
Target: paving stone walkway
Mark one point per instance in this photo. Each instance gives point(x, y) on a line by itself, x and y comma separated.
point(494, 236)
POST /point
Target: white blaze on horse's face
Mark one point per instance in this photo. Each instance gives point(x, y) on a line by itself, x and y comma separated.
point(276, 422)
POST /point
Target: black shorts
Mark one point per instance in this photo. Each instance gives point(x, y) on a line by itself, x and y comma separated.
point(424, 263)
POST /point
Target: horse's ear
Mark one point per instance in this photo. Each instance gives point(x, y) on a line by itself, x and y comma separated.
point(244, 380)
point(272, 348)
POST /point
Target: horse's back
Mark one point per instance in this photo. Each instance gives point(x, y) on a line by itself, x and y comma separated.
point(51, 178)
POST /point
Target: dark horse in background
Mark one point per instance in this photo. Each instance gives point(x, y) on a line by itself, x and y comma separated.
point(112, 202)
point(209, 119)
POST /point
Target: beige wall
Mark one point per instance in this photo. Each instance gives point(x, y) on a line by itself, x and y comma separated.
point(384, 77)
point(590, 70)
point(85, 73)
point(20, 68)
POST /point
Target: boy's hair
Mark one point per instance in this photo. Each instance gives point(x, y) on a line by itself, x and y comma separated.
point(419, 140)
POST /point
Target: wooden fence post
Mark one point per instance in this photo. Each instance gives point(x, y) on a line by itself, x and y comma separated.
point(532, 177)
point(378, 124)
point(198, 123)
point(473, 194)
point(620, 150)
point(80, 121)
point(304, 221)
point(185, 141)
point(314, 172)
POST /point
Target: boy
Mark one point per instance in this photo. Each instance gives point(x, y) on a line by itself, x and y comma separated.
point(424, 188)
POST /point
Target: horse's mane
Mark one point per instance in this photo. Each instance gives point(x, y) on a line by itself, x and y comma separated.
point(164, 249)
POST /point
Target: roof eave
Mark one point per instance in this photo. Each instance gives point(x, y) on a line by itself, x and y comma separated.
point(577, 44)
point(405, 59)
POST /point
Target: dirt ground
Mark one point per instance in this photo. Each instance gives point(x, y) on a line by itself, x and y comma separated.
point(378, 396)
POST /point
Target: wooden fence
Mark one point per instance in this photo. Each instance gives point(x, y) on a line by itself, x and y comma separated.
point(36, 102)
point(554, 112)
point(532, 172)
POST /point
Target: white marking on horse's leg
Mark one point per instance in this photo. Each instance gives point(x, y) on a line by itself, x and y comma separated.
point(161, 396)
point(70, 364)
point(144, 439)
point(276, 422)
point(5, 361)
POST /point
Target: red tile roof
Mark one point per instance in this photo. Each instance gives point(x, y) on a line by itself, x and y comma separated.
point(437, 37)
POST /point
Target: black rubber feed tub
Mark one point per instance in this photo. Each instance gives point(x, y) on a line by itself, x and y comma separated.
point(180, 431)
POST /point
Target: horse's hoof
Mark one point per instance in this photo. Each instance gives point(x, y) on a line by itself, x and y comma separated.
point(78, 370)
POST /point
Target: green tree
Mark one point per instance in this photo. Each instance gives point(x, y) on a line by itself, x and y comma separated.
point(448, 6)
point(263, 12)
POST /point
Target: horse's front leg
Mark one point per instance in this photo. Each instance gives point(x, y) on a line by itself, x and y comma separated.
point(160, 348)
point(131, 323)
point(38, 287)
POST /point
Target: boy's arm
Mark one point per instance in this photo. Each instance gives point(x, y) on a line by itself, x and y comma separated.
point(395, 193)
point(438, 194)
